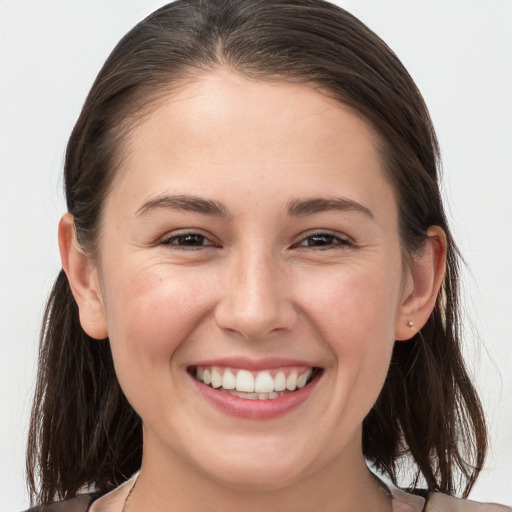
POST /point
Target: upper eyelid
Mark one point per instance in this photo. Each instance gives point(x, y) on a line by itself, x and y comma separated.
point(170, 236)
point(327, 232)
point(186, 231)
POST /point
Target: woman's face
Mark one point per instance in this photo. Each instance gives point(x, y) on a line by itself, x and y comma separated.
point(251, 238)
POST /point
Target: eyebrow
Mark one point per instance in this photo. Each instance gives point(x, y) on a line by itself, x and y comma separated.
point(187, 203)
point(296, 207)
point(303, 207)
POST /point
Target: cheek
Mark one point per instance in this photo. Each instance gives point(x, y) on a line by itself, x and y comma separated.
point(360, 302)
point(150, 316)
point(354, 313)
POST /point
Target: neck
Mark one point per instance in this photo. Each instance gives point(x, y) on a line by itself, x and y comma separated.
point(345, 484)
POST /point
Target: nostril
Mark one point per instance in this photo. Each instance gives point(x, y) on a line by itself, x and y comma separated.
point(255, 323)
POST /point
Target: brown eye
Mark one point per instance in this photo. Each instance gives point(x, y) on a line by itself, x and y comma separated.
point(187, 240)
point(326, 240)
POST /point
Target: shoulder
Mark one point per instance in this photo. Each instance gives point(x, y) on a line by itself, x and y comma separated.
point(414, 501)
point(438, 502)
point(80, 503)
point(94, 501)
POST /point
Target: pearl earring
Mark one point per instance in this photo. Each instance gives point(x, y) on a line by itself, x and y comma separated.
point(411, 324)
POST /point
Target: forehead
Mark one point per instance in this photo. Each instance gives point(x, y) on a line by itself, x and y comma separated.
point(221, 129)
point(272, 110)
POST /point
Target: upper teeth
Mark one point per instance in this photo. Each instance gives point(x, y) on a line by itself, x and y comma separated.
point(254, 382)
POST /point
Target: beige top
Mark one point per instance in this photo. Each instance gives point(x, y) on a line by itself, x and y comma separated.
point(437, 502)
point(402, 502)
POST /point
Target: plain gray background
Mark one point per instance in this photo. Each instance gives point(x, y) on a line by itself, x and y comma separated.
point(458, 51)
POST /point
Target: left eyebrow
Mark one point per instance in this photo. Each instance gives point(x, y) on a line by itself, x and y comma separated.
point(303, 207)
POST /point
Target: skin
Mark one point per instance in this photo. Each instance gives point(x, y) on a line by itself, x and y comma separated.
point(252, 288)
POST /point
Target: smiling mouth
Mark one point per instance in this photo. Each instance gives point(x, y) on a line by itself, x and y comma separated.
point(255, 385)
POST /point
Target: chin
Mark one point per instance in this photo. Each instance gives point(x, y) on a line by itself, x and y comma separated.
point(267, 476)
point(261, 469)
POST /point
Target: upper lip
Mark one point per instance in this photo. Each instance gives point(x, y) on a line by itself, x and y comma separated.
point(247, 363)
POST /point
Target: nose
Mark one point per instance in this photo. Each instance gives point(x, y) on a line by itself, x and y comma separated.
point(256, 298)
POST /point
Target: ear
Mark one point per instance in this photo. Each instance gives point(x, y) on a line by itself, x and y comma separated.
point(83, 279)
point(422, 285)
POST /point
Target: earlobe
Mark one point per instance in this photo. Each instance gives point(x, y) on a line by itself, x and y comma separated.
point(83, 279)
point(426, 277)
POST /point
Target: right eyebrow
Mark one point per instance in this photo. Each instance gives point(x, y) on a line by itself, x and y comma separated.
point(187, 203)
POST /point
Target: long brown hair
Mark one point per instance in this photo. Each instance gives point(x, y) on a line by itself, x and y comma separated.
point(83, 432)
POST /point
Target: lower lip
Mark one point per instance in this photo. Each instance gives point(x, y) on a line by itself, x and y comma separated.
point(255, 409)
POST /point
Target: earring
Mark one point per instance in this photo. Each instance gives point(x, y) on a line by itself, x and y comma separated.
point(411, 324)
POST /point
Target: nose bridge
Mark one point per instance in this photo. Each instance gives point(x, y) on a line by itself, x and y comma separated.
point(254, 303)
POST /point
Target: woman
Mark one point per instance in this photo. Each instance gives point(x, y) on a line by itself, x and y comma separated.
point(249, 309)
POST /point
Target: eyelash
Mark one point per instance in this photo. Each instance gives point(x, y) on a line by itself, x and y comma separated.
point(182, 236)
point(332, 240)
